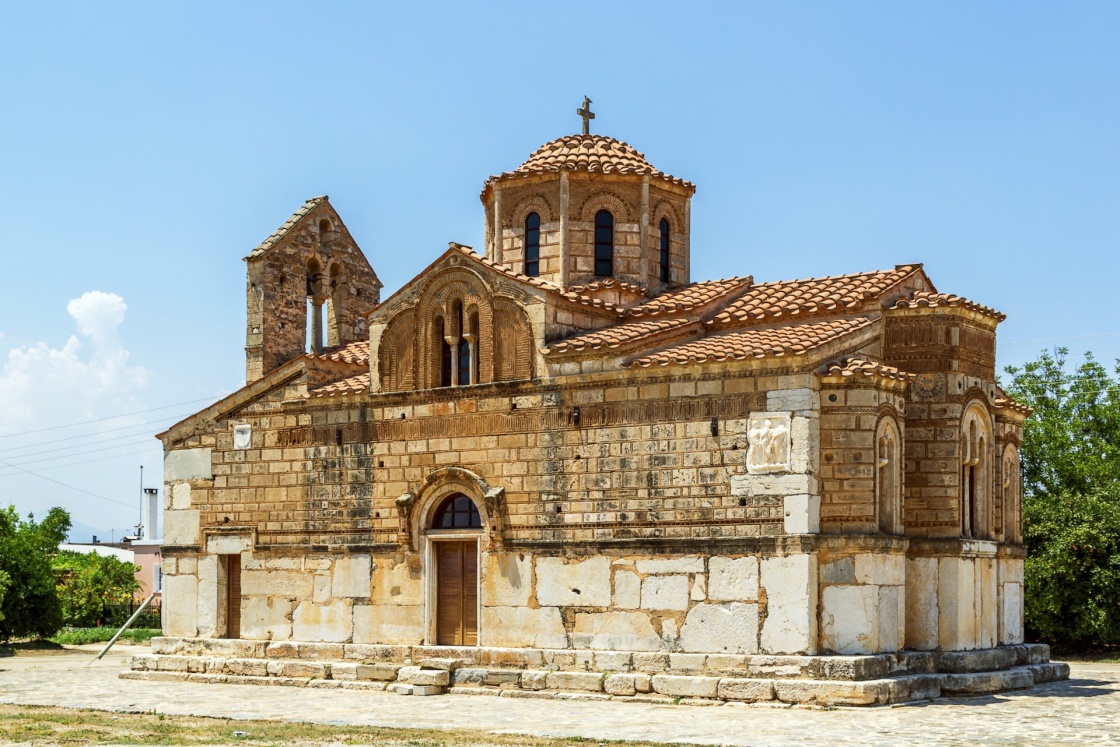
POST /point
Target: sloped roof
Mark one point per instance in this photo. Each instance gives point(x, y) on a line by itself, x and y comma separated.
point(590, 153)
point(282, 231)
point(928, 300)
point(689, 297)
point(614, 337)
point(355, 352)
point(856, 367)
point(350, 385)
point(791, 298)
point(794, 339)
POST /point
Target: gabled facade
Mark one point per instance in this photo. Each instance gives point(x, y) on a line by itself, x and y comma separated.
point(565, 448)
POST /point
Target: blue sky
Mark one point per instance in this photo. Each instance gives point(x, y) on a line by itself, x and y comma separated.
point(147, 147)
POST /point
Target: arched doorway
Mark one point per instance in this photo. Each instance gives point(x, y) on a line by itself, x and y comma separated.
point(455, 529)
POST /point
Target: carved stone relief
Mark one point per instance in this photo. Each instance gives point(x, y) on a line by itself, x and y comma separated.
point(768, 442)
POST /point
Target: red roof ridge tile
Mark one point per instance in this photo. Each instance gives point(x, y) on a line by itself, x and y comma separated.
point(616, 336)
point(929, 300)
point(350, 385)
point(286, 226)
point(866, 366)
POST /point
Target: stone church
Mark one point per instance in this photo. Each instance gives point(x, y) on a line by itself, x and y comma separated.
point(563, 467)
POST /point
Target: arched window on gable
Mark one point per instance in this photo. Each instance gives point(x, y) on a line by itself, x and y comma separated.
point(976, 490)
point(604, 243)
point(457, 512)
point(533, 245)
point(664, 250)
point(888, 478)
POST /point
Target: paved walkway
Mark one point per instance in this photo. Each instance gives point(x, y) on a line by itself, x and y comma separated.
point(1083, 710)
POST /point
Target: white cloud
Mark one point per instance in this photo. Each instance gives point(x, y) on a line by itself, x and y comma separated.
point(88, 377)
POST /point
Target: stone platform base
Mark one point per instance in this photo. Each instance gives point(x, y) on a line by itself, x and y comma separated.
point(701, 679)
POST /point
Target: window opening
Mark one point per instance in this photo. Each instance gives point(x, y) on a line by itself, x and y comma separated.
point(457, 512)
point(664, 250)
point(533, 245)
point(604, 243)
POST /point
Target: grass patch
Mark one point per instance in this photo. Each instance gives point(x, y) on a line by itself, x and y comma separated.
point(1089, 654)
point(31, 648)
point(79, 636)
point(65, 726)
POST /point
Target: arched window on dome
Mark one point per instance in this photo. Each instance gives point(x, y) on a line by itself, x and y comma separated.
point(444, 352)
point(533, 245)
point(457, 512)
point(604, 243)
point(664, 250)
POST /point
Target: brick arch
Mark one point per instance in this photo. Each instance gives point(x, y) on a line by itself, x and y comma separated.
point(437, 299)
point(513, 342)
point(665, 208)
point(604, 200)
point(537, 203)
point(396, 357)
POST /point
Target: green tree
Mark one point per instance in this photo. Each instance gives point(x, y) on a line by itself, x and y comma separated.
point(1071, 499)
point(88, 583)
point(30, 606)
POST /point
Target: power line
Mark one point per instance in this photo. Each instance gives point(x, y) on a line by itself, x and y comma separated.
point(90, 435)
point(80, 453)
point(111, 417)
point(56, 482)
point(72, 447)
point(74, 464)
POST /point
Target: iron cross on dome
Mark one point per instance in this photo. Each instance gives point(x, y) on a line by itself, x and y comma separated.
point(587, 115)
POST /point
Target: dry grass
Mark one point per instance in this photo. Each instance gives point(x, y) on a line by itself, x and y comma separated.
point(61, 726)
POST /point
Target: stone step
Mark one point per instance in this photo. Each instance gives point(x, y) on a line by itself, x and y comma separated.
point(633, 686)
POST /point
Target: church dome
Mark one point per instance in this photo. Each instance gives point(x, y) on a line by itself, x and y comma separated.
point(588, 153)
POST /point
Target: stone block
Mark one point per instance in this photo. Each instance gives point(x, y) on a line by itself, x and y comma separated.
point(300, 669)
point(733, 579)
point(266, 618)
point(804, 399)
point(534, 680)
point(979, 683)
point(419, 690)
point(1011, 614)
point(815, 692)
point(396, 583)
point(502, 678)
point(665, 593)
point(517, 627)
point(351, 576)
point(446, 664)
point(773, 485)
point(320, 651)
point(921, 604)
point(750, 691)
point(211, 597)
point(330, 622)
point(730, 627)
point(289, 584)
point(180, 606)
point(984, 660)
point(791, 588)
point(615, 631)
point(421, 676)
point(612, 661)
point(583, 584)
point(839, 571)
point(688, 663)
point(507, 579)
point(179, 497)
point(802, 514)
point(229, 544)
point(181, 528)
point(619, 684)
point(884, 569)
point(468, 677)
point(388, 623)
point(671, 565)
point(650, 662)
point(892, 618)
point(850, 619)
point(805, 442)
point(377, 672)
point(187, 464)
point(685, 687)
point(627, 590)
point(586, 681)
point(344, 672)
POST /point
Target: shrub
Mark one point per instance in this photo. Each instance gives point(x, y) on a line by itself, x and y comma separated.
point(30, 606)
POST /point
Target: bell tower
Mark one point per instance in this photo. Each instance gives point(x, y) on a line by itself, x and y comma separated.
point(308, 288)
point(586, 208)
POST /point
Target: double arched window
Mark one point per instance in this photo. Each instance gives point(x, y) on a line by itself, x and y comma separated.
point(604, 243)
point(458, 337)
point(664, 250)
point(533, 245)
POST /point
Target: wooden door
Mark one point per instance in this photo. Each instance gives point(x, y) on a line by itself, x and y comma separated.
point(233, 596)
point(457, 593)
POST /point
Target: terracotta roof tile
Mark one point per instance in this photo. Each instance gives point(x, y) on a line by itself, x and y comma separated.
point(795, 339)
point(1003, 400)
point(593, 153)
point(865, 367)
point(280, 232)
point(927, 300)
point(606, 283)
point(355, 352)
point(689, 297)
point(767, 301)
point(614, 337)
point(353, 385)
point(547, 285)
